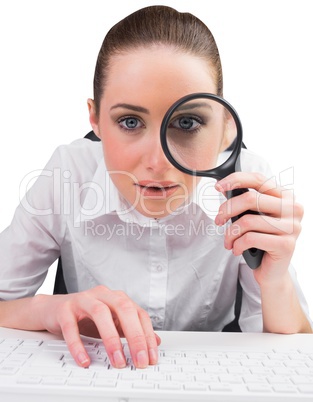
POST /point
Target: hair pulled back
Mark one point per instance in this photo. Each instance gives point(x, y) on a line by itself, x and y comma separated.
point(157, 25)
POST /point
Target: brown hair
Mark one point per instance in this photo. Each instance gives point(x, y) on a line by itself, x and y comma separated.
point(157, 25)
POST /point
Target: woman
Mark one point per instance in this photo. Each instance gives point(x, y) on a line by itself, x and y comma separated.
point(128, 224)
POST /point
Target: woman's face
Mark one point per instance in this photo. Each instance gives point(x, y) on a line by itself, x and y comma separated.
point(142, 84)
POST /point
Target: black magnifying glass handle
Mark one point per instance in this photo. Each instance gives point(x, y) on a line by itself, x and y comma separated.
point(253, 256)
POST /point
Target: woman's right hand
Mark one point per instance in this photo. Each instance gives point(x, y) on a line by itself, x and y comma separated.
point(112, 313)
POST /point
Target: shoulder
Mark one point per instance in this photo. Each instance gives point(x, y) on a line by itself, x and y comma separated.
point(78, 160)
point(83, 150)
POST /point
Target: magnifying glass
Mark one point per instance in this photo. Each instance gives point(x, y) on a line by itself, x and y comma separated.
point(201, 135)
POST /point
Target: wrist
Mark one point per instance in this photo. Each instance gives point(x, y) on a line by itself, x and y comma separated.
point(39, 310)
point(276, 284)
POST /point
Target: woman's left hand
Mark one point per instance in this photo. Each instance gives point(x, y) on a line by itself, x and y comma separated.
point(275, 230)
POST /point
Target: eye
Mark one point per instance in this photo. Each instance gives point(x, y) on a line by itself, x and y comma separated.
point(130, 123)
point(186, 123)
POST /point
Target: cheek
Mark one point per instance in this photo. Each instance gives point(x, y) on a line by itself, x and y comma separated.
point(118, 156)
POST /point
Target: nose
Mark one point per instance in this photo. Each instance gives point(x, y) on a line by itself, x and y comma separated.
point(154, 157)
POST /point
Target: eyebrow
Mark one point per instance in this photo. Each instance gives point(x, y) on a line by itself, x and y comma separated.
point(187, 106)
point(130, 107)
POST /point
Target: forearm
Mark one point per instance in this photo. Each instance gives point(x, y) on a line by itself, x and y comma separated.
point(22, 313)
point(282, 312)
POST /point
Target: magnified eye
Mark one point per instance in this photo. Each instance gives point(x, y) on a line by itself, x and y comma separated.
point(186, 123)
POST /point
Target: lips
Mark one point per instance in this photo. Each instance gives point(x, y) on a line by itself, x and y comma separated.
point(156, 189)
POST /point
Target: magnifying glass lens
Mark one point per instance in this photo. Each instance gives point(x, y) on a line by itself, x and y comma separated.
point(198, 133)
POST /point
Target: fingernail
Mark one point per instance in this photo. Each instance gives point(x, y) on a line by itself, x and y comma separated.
point(118, 359)
point(218, 187)
point(158, 339)
point(153, 354)
point(142, 359)
point(82, 358)
point(219, 219)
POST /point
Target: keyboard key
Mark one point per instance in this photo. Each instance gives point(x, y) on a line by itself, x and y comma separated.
point(172, 354)
point(143, 385)
point(43, 363)
point(239, 370)
point(218, 369)
point(8, 370)
point(283, 371)
point(132, 375)
point(170, 385)
point(259, 388)
point(31, 343)
point(302, 379)
point(156, 376)
point(107, 374)
point(169, 368)
point(205, 378)
point(278, 379)
point(191, 354)
point(185, 361)
point(49, 359)
point(278, 356)
point(230, 379)
point(221, 387)
point(256, 356)
point(288, 389)
point(237, 355)
point(11, 341)
point(29, 379)
point(105, 383)
point(254, 379)
point(79, 381)
point(7, 347)
point(54, 380)
point(306, 389)
point(208, 362)
point(229, 362)
point(193, 369)
point(124, 385)
point(195, 386)
point(181, 377)
point(305, 371)
point(82, 373)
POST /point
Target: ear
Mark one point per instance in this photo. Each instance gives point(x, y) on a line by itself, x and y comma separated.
point(93, 118)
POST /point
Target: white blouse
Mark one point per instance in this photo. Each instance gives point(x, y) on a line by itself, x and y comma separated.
point(176, 267)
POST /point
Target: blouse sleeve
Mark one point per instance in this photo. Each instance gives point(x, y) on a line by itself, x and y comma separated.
point(32, 241)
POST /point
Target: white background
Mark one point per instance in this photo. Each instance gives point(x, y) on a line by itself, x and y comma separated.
point(48, 53)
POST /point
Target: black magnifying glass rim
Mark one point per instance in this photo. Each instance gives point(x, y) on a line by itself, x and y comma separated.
point(231, 165)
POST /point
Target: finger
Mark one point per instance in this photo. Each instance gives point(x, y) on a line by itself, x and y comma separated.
point(278, 247)
point(127, 313)
point(101, 315)
point(251, 180)
point(69, 327)
point(260, 224)
point(253, 201)
point(151, 337)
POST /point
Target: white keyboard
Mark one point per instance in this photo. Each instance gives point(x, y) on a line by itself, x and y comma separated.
point(33, 362)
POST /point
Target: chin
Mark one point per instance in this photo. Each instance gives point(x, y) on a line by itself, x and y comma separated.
point(156, 211)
